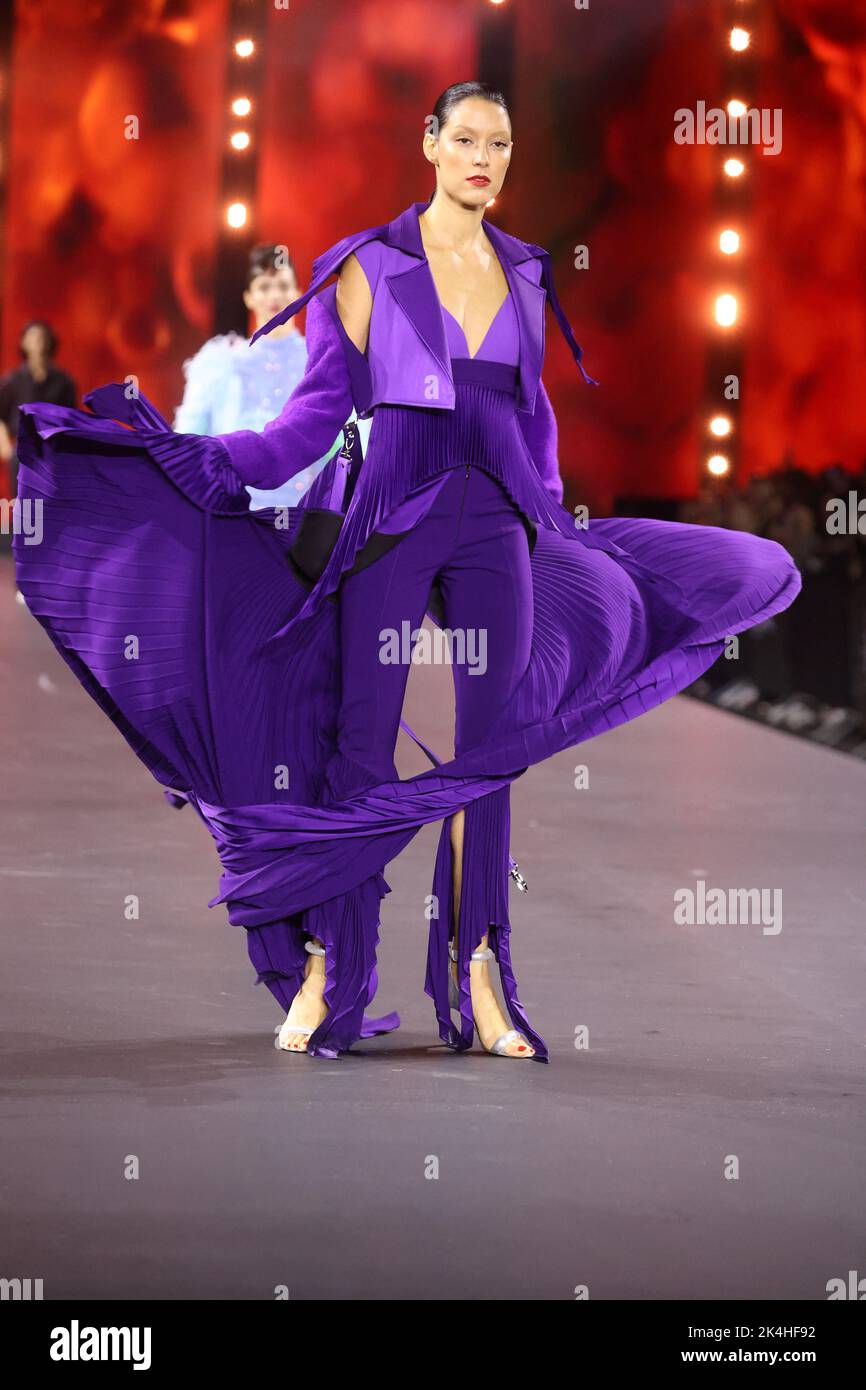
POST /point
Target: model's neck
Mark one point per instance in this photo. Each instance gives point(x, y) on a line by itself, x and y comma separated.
point(38, 367)
point(448, 224)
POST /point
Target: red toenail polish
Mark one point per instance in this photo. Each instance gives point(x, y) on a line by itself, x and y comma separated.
point(521, 1048)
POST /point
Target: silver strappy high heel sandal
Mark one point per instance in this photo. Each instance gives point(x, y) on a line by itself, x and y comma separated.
point(287, 1028)
point(498, 1048)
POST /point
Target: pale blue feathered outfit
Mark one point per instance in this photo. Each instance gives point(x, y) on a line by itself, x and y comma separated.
point(231, 385)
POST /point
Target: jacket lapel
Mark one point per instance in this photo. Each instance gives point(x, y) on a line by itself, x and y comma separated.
point(415, 291)
point(529, 301)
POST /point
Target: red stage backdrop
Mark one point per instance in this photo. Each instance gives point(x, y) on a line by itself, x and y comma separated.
point(113, 239)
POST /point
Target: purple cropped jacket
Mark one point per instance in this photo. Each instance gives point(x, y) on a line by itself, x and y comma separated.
point(406, 361)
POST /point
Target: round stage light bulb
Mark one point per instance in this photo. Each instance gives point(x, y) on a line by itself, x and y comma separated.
point(236, 214)
point(726, 310)
point(720, 425)
point(740, 40)
point(736, 108)
point(729, 241)
point(734, 167)
point(244, 48)
point(240, 140)
point(718, 464)
point(241, 106)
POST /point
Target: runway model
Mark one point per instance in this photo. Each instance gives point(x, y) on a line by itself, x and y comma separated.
point(264, 686)
point(231, 384)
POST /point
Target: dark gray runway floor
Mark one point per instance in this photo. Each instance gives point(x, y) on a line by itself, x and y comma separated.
point(708, 1143)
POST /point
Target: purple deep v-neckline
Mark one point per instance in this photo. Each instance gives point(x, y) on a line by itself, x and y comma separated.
point(473, 356)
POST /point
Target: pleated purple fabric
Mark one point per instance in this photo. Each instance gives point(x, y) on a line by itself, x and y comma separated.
point(499, 345)
point(177, 610)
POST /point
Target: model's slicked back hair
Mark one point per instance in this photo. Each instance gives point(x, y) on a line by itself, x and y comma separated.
point(458, 92)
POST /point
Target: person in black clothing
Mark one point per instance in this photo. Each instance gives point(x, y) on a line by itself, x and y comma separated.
point(37, 379)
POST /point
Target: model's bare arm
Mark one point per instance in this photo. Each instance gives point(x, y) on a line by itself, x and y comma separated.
point(354, 301)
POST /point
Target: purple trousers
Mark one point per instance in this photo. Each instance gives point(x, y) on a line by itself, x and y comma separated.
point(474, 544)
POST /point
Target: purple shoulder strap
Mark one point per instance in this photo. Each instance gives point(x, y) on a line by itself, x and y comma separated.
point(567, 331)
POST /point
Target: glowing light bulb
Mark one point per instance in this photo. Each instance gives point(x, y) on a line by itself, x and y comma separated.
point(736, 107)
point(734, 168)
point(726, 310)
point(245, 48)
point(236, 214)
point(718, 464)
point(720, 426)
point(740, 40)
point(729, 241)
point(240, 140)
point(241, 106)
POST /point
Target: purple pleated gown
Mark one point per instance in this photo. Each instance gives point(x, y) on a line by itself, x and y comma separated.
point(237, 677)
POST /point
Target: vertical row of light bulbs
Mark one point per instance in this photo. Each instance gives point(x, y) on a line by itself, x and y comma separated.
point(237, 213)
point(727, 304)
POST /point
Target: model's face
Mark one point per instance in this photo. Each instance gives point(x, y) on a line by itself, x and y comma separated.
point(473, 151)
point(35, 342)
point(270, 293)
